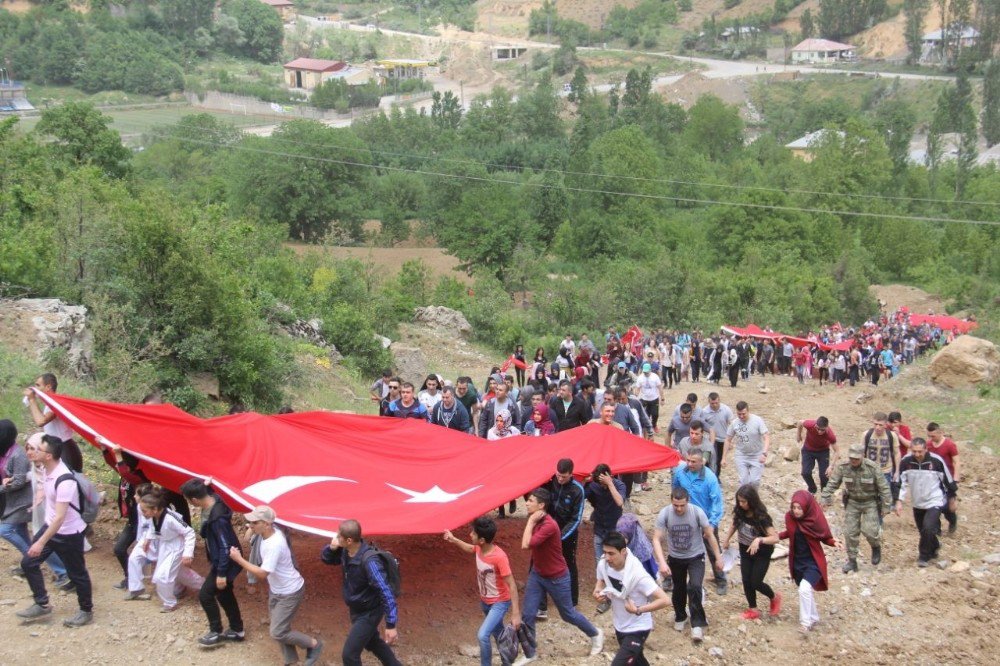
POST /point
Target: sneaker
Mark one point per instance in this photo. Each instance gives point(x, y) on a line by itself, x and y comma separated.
point(211, 639)
point(775, 605)
point(923, 564)
point(313, 653)
point(167, 609)
point(751, 614)
point(17, 572)
point(646, 487)
point(80, 619)
point(721, 587)
point(542, 615)
point(525, 660)
point(679, 625)
point(139, 595)
point(65, 584)
point(697, 635)
point(597, 643)
point(603, 607)
point(34, 611)
point(121, 585)
point(233, 635)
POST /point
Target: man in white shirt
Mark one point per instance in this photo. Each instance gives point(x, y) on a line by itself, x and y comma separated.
point(650, 389)
point(633, 594)
point(51, 424)
point(62, 534)
point(287, 587)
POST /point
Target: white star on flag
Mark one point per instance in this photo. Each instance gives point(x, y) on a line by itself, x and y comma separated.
point(435, 495)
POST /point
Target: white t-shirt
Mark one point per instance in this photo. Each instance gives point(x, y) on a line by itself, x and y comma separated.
point(429, 401)
point(649, 386)
point(56, 427)
point(276, 560)
point(748, 438)
point(68, 491)
point(624, 621)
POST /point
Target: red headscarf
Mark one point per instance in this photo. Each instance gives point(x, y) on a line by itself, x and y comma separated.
point(544, 424)
point(812, 523)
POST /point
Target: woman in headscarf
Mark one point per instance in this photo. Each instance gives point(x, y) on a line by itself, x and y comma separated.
point(638, 542)
point(539, 423)
point(807, 529)
point(502, 430)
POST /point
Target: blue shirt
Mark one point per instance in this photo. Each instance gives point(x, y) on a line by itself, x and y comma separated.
point(704, 490)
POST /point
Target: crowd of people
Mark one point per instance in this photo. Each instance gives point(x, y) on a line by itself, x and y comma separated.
point(637, 574)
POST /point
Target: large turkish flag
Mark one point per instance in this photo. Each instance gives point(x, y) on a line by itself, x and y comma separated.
point(396, 476)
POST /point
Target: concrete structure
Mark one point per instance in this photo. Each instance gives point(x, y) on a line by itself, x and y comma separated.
point(12, 95)
point(822, 51)
point(353, 76)
point(307, 73)
point(737, 34)
point(508, 52)
point(959, 37)
point(805, 147)
point(285, 9)
point(401, 69)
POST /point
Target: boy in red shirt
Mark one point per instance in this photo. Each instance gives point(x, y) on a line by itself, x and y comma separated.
point(903, 433)
point(549, 573)
point(497, 589)
point(942, 446)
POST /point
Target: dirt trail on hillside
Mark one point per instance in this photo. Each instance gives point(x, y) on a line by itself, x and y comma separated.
point(948, 615)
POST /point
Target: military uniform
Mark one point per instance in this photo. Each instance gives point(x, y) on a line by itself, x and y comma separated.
point(869, 496)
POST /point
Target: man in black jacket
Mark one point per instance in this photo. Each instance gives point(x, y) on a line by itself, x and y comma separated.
point(569, 411)
point(367, 594)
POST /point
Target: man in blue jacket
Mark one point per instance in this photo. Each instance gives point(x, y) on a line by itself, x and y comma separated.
point(705, 493)
point(217, 531)
point(367, 594)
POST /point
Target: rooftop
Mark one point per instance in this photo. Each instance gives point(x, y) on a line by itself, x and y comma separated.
point(316, 65)
point(812, 139)
point(822, 45)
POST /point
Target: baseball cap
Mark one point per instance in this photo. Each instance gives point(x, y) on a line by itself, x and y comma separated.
point(621, 364)
point(856, 451)
point(264, 513)
point(646, 367)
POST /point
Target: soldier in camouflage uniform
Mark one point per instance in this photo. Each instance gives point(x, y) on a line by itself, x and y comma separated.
point(868, 497)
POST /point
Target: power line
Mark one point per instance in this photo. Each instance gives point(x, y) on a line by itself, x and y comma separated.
point(664, 181)
point(660, 197)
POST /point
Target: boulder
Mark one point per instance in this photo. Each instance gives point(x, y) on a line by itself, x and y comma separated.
point(966, 361)
point(411, 364)
point(38, 327)
point(446, 319)
point(791, 452)
point(788, 423)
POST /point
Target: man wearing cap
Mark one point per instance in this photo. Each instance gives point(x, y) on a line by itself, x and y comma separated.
point(868, 492)
point(287, 587)
point(620, 377)
point(650, 388)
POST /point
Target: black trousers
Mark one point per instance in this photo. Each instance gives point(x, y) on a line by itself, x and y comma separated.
point(630, 649)
point(695, 370)
point(211, 597)
point(688, 575)
point(652, 408)
point(124, 540)
point(754, 570)
point(519, 375)
point(734, 375)
point(69, 548)
point(720, 445)
point(929, 523)
point(812, 459)
point(364, 636)
point(668, 376)
point(716, 574)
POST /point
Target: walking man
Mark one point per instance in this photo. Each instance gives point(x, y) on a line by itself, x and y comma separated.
point(716, 418)
point(705, 493)
point(61, 534)
point(567, 509)
point(925, 479)
point(818, 441)
point(367, 595)
point(686, 529)
point(868, 496)
point(749, 436)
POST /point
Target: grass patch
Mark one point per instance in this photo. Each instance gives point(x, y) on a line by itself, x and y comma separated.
point(969, 415)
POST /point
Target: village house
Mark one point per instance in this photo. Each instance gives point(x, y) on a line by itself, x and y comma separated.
point(959, 37)
point(805, 147)
point(822, 51)
point(285, 9)
point(308, 73)
point(400, 69)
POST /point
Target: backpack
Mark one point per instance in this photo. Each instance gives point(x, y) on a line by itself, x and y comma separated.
point(389, 563)
point(89, 501)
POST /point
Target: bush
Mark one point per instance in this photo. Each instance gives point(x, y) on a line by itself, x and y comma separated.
point(350, 330)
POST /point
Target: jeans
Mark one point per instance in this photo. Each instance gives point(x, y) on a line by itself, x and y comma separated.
point(211, 597)
point(125, 539)
point(630, 649)
point(282, 608)
point(929, 523)
point(558, 588)
point(811, 459)
point(569, 554)
point(688, 575)
point(598, 547)
point(491, 627)
point(69, 547)
point(17, 535)
point(749, 469)
point(754, 569)
point(364, 636)
point(719, 576)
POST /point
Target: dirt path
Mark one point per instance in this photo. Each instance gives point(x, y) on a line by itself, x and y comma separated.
point(948, 616)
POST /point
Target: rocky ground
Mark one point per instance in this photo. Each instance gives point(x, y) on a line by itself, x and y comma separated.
point(944, 614)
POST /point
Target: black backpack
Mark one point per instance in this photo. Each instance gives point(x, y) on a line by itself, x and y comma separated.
point(389, 563)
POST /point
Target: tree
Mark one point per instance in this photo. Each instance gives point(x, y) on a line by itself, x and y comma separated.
point(261, 28)
point(914, 12)
point(182, 18)
point(964, 122)
point(82, 135)
point(578, 86)
point(446, 110)
point(806, 24)
point(714, 128)
point(896, 122)
point(991, 103)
